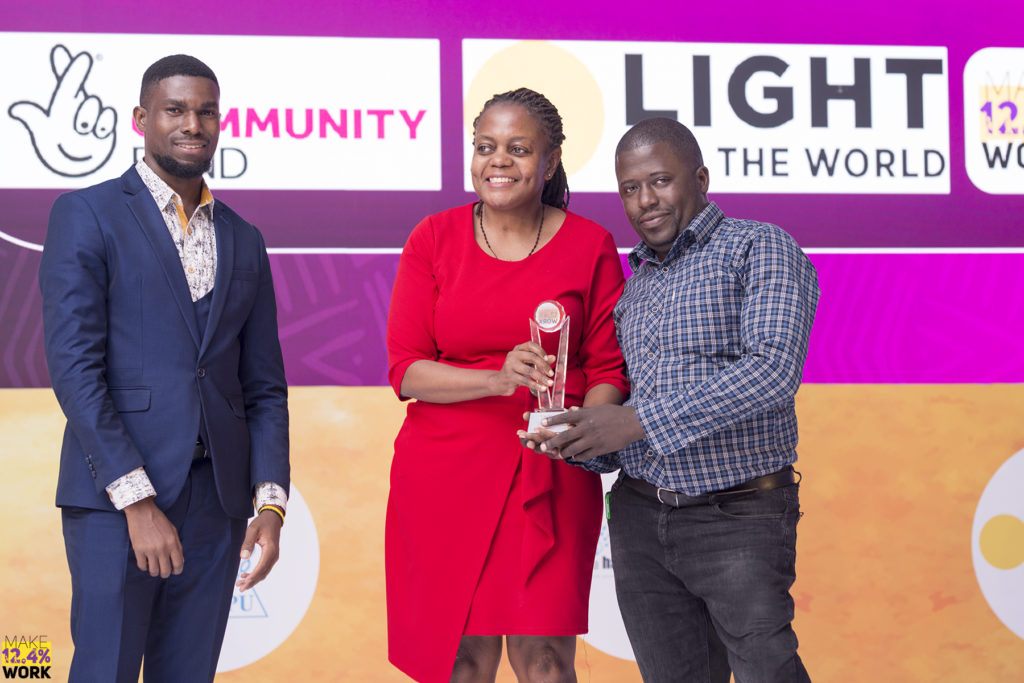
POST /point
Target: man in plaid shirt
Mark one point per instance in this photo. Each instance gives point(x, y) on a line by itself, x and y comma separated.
point(713, 325)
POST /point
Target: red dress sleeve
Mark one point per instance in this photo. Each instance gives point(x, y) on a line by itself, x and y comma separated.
point(410, 335)
point(600, 357)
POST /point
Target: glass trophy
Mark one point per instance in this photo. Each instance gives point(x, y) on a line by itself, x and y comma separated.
point(548, 318)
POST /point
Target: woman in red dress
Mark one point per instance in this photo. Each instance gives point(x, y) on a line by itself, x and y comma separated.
point(484, 538)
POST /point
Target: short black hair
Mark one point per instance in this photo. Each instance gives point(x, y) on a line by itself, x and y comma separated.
point(173, 65)
point(652, 131)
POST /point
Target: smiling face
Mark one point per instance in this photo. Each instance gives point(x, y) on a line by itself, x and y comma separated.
point(661, 192)
point(511, 159)
point(180, 118)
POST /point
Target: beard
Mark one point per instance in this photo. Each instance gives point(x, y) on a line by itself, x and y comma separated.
point(180, 170)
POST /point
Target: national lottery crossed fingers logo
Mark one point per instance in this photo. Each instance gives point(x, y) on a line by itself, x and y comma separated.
point(26, 656)
point(75, 134)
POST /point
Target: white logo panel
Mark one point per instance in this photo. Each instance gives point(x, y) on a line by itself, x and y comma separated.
point(265, 616)
point(997, 544)
point(297, 113)
point(784, 119)
point(994, 120)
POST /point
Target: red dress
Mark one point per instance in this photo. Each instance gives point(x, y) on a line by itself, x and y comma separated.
point(484, 537)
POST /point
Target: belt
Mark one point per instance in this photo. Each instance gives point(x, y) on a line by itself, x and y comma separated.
point(199, 451)
point(787, 476)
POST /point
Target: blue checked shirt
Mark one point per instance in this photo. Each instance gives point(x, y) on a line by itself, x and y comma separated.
point(714, 339)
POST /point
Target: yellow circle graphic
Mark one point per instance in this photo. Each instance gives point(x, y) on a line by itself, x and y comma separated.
point(556, 74)
point(1002, 542)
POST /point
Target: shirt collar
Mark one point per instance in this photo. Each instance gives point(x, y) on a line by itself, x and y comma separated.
point(162, 192)
point(697, 232)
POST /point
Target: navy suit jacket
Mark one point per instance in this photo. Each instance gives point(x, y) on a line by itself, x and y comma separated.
point(129, 368)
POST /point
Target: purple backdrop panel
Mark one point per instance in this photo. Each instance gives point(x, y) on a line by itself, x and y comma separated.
point(332, 316)
point(966, 217)
point(22, 363)
point(883, 317)
point(899, 318)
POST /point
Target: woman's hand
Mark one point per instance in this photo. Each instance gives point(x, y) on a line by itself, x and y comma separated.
point(525, 366)
point(534, 441)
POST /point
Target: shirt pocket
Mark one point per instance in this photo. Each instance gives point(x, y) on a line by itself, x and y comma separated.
point(705, 317)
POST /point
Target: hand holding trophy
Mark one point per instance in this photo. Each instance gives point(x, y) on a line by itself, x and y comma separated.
point(550, 317)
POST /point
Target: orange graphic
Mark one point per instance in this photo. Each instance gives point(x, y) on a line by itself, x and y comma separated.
point(886, 589)
point(1002, 112)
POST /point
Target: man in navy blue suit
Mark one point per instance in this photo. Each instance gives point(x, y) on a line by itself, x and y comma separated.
point(161, 339)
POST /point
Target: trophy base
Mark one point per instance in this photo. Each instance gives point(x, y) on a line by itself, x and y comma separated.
point(537, 416)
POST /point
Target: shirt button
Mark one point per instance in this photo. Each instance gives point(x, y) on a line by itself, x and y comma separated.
point(191, 270)
point(202, 372)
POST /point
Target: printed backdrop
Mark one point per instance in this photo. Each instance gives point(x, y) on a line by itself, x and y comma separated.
point(887, 138)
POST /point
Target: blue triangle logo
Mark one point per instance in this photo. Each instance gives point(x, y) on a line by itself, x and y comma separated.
point(247, 606)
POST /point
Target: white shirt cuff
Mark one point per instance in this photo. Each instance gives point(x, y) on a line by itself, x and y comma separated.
point(269, 493)
point(131, 488)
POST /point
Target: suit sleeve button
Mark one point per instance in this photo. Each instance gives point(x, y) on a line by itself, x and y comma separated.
point(202, 372)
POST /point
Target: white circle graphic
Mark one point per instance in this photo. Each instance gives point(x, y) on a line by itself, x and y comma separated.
point(265, 615)
point(607, 632)
point(1003, 588)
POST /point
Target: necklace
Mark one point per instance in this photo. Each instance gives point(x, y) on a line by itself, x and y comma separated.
point(540, 228)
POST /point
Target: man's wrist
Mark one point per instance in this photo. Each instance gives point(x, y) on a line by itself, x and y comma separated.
point(146, 506)
point(272, 508)
point(634, 426)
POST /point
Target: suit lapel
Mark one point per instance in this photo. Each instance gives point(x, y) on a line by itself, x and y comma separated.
point(225, 266)
point(152, 223)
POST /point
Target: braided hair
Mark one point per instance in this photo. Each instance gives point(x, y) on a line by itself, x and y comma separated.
point(556, 190)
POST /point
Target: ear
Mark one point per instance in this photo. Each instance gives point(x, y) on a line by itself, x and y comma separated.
point(139, 114)
point(553, 159)
point(703, 179)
